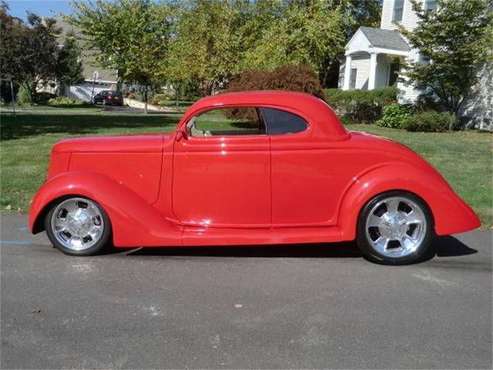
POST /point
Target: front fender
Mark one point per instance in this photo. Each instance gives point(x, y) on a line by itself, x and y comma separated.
point(134, 222)
point(450, 213)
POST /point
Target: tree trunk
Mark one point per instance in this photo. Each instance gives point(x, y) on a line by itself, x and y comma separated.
point(33, 92)
point(145, 99)
point(12, 96)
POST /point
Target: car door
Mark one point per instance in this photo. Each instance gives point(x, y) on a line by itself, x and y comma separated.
point(221, 170)
point(303, 182)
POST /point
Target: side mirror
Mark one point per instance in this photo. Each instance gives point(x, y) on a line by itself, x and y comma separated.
point(181, 134)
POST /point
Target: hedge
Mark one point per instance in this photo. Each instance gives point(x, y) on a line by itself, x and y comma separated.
point(361, 106)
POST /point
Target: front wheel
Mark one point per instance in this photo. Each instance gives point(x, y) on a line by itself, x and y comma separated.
point(395, 228)
point(78, 226)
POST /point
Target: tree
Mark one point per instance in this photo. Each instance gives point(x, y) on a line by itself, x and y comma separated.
point(203, 48)
point(69, 64)
point(452, 38)
point(11, 31)
point(305, 32)
point(131, 36)
point(29, 51)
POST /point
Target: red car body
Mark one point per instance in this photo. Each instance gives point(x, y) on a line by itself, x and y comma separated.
point(172, 189)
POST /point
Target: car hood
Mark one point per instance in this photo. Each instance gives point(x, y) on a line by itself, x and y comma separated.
point(128, 143)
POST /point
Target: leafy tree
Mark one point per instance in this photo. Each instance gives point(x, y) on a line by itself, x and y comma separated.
point(453, 38)
point(131, 36)
point(69, 64)
point(359, 13)
point(203, 48)
point(29, 51)
point(11, 31)
point(305, 32)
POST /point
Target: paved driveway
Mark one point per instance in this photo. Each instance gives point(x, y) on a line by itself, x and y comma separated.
point(282, 307)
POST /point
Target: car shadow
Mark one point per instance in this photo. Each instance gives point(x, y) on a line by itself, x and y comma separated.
point(447, 246)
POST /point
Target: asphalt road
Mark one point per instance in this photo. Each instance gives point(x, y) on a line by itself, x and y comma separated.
point(280, 307)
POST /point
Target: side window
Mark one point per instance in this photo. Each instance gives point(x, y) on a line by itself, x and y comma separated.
point(226, 122)
point(280, 122)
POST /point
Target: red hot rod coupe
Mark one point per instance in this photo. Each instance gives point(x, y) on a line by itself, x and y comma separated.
point(265, 167)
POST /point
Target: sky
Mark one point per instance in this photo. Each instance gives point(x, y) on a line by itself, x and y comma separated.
point(45, 8)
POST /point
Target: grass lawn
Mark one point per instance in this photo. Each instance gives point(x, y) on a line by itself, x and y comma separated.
point(464, 158)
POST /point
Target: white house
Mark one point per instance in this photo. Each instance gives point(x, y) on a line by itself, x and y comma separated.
point(374, 57)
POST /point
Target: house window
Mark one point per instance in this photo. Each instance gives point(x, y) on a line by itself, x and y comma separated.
point(398, 10)
point(430, 5)
point(352, 78)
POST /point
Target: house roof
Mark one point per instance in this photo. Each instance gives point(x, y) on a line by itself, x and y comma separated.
point(386, 39)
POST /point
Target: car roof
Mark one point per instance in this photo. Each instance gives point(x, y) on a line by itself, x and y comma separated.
point(316, 111)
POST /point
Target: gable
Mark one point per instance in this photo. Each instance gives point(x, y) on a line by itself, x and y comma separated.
point(359, 42)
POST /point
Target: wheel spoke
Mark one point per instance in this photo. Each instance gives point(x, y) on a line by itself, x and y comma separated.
point(392, 205)
point(407, 242)
point(61, 223)
point(374, 221)
point(382, 243)
point(413, 218)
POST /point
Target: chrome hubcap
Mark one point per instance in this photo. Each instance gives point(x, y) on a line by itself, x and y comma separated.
point(396, 227)
point(77, 224)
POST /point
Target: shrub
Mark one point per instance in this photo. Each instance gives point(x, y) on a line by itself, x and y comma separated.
point(361, 106)
point(394, 115)
point(23, 96)
point(160, 99)
point(63, 101)
point(430, 121)
point(290, 77)
point(43, 97)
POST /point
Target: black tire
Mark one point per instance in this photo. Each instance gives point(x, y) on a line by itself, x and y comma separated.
point(99, 246)
point(424, 248)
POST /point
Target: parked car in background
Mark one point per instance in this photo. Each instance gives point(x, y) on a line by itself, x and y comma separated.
point(265, 167)
point(108, 97)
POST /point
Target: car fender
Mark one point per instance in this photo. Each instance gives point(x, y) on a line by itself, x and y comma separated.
point(450, 213)
point(134, 222)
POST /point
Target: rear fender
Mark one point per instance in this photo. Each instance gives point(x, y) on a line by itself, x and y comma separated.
point(134, 222)
point(450, 213)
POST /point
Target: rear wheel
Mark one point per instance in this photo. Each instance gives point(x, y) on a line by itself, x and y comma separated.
point(78, 226)
point(395, 228)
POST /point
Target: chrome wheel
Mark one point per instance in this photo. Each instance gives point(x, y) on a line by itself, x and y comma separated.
point(77, 224)
point(396, 227)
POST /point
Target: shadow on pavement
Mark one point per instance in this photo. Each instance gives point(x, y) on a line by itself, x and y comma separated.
point(448, 246)
point(444, 247)
point(296, 250)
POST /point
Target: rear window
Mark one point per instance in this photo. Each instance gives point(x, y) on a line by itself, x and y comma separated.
point(279, 122)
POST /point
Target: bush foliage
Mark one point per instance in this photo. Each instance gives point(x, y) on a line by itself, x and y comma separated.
point(394, 115)
point(290, 77)
point(361, 106)
point(63, 101)
point(24, 96)
point(430, 121)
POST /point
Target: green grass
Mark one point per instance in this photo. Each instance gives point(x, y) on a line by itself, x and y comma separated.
point(464, 158)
